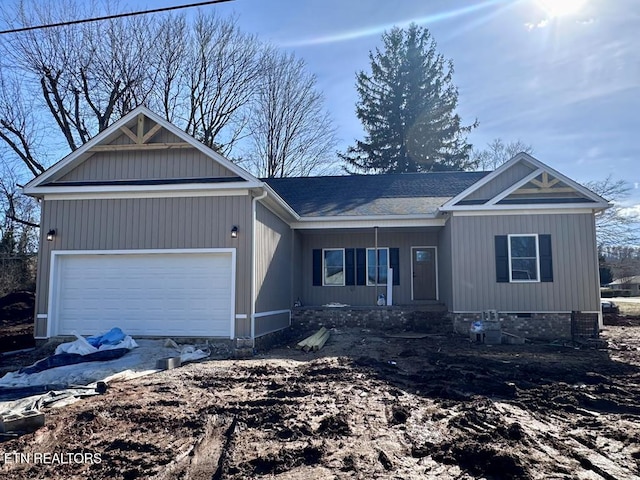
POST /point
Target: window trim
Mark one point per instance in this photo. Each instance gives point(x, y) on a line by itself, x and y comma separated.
point(511, 279)
point(324, 268)
point(376, 284)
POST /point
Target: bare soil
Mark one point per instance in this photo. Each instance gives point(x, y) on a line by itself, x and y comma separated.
point(16, 321)
point(366, 406)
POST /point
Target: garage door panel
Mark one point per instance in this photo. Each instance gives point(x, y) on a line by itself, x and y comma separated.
point(145, 294)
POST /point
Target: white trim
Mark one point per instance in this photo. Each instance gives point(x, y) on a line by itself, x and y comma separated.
point(236, 192)
point(139, 251)
point(376, 284)
point(385, 221)
point(113, 131)
point(528, 312)
point(515, 186)
point(344, 268)
point(271, 313)
point(535, 235)
point(40, 316)
point(537, 206)
point(521, 211)
point(54, 285)
point(186, 187)
point(435, 248)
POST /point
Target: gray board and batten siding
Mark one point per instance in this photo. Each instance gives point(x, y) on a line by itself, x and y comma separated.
point(149, 223)
point(360, 295)
point(445, 265)
point(274, 246)
point(575, 269)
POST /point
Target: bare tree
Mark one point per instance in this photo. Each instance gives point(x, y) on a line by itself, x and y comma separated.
point(622, 261)
point(171, 71)
point(613, 226)
point(87, 74)
point(497, 152)
point(223, 65)
point(17, 123)
point(291, 133)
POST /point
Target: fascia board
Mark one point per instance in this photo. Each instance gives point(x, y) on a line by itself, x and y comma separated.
point(53, 190)
point(368, 222)
point(551, 207)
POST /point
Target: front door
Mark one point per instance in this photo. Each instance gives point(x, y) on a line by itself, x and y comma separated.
point(423, 267)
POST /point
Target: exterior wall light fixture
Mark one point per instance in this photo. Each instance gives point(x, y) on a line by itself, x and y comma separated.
point(50, 235)
point(234, 232)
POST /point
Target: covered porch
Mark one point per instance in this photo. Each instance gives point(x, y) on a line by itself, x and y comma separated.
point(341, 268)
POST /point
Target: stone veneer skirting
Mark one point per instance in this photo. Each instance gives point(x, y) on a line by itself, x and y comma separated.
point(425, 319)
point(543, 326)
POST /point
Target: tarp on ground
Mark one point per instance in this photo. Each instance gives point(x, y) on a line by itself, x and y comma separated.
point(75, 380)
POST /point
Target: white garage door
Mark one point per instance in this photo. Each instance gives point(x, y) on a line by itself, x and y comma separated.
point(163, 294)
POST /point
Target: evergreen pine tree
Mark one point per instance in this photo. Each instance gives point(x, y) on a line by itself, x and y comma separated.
point(407, 106)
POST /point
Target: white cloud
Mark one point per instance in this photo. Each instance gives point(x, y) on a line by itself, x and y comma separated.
point(631, 212)
point(540, 24)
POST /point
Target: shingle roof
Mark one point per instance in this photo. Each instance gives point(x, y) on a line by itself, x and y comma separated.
point(393, 194)
point(626, 280)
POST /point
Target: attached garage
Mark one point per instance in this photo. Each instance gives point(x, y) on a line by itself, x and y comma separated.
point(188, 293)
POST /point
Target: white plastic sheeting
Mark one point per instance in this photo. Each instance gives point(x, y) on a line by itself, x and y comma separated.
point(82, 377)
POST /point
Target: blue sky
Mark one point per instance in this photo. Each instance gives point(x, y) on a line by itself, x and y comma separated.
point(569, 85)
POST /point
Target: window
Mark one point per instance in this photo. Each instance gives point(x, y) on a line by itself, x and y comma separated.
point(333, 267)
point(524, 265)
point(524, 258)
point(377, 271)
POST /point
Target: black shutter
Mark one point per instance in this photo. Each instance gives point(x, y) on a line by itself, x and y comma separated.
point(546, 262)
point(349, 266)
point(317, 267)
point(394, 262)
point(502, 259)
point(361, 266)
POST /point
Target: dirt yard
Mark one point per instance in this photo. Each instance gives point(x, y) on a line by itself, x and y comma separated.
point(366, 406)
point(16, 321)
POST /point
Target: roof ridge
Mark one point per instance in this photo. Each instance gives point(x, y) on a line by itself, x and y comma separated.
point(377, 175)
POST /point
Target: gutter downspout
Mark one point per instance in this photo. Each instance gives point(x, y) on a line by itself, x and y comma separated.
point(375, 299)
point(254, 220)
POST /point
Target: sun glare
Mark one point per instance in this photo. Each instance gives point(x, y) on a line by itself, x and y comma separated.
point(559, 8)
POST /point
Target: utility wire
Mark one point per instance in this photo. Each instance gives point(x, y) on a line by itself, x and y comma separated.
point(111, 17)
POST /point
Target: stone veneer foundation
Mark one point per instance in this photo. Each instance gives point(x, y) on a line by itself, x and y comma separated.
point(428, 319)
point(541, 326)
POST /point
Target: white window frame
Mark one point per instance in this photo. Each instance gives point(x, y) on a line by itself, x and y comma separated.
point(511, 279)
point(324, 268)
point(370, 284)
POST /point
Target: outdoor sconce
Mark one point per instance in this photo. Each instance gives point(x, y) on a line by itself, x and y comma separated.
point(234, 232)
point(50, 234)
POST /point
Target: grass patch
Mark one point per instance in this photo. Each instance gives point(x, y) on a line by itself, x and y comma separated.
point(629, 309)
